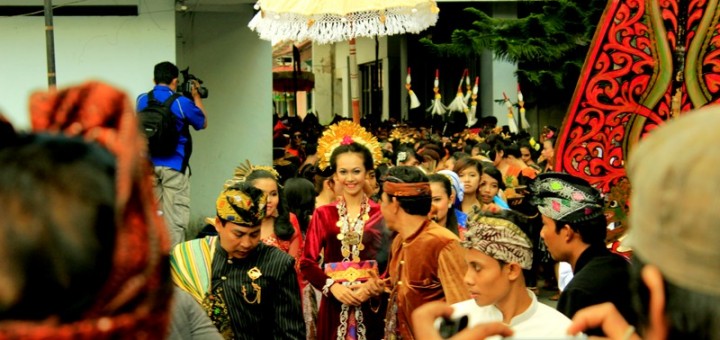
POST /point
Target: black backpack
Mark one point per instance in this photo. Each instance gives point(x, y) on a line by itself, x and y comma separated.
point(158, 122)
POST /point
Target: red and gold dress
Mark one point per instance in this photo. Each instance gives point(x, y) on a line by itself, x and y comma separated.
point(322, 236)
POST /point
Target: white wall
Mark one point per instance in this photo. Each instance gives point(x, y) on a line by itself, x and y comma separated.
point(236, 66)
point(118, 50)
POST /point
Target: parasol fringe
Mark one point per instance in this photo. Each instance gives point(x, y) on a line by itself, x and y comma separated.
point(328, 28)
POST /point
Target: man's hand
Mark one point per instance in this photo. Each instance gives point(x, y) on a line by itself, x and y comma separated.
point(423, 319)
point(605, 316)
point(424, 324)
point(195, 87)
point(373, 287)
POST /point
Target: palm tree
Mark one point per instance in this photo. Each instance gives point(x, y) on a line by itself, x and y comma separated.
point(549, 43)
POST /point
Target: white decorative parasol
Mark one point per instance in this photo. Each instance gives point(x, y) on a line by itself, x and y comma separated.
point(329, 21)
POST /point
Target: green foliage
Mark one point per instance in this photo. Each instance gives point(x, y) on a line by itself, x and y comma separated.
point(549, 44)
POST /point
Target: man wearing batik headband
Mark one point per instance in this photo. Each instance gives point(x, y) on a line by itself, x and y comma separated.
point(497, 252)
point(574, 230)
point(249, 289)
point(426, 261)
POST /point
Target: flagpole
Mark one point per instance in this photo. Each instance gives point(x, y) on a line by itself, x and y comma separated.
point(50, 44)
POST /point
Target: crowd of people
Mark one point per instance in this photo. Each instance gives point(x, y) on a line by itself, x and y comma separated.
point(349, 234)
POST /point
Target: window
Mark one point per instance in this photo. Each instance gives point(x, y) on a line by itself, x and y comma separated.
point(371, 90)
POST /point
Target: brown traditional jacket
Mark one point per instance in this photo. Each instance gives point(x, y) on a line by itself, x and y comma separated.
point(427, 266)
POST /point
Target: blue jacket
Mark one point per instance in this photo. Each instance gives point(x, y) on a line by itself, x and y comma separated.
point(187, 113)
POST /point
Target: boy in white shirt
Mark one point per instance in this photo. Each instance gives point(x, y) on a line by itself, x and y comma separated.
point(498, 251)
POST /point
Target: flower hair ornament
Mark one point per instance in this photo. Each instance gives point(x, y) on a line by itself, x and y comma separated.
point(346, 133)
point(402, 156)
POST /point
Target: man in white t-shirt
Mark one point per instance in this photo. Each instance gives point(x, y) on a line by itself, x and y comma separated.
point(498, 251)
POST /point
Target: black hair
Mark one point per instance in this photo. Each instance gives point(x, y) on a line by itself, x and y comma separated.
point(592, 231)
point(310, 149)
point(165, 72)
point(467, 162)
point(415, 205)
point(469, 145)
point(689, 314)
point(460, 155)
point(451, 219)
point(533, 153)
point(353, 147)
point(490, 170)
point(57, 195)
point(283, 228)
point(300, 197)
point(511, 149)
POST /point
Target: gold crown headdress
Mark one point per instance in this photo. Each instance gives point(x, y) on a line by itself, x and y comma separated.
point(344, 133)
point(244, 170)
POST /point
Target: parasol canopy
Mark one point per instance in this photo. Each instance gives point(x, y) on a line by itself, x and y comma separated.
point(328, 21)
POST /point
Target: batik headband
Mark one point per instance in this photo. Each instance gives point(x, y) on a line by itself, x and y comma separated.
point(561, 200)
point(407, 189)
point(242, 204)
point(499, 239)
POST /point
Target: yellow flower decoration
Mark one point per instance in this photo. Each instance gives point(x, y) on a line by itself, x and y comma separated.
point(346, 132)
point(403, 134)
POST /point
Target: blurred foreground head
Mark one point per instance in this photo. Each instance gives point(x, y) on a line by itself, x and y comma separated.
point(674, 227)
point(82, 251)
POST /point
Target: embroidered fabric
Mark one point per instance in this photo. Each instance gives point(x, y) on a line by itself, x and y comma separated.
point(217, 310)
point(350, 236)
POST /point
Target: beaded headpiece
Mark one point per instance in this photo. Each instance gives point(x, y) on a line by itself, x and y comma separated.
point(345, 133)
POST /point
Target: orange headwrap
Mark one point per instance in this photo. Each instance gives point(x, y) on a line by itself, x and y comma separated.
point(407, 189)
point(135, 299)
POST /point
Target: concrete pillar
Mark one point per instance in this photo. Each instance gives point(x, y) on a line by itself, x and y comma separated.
point(323, 57)
point(497, 75)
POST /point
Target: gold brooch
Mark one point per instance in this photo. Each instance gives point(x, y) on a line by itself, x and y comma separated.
point(254, 273)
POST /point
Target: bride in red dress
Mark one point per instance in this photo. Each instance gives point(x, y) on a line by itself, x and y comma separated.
point(351, 237)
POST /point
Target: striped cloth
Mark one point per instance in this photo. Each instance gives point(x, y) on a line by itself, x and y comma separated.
point(190, 266)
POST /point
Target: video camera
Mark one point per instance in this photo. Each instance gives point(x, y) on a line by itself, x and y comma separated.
point(186, 87)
